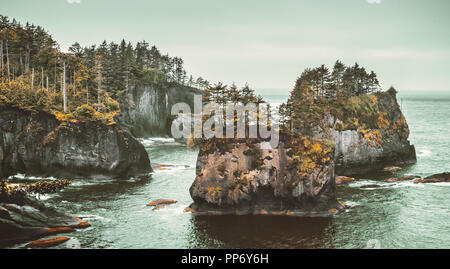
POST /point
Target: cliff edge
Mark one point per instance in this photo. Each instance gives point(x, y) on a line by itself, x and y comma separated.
point(146, 109)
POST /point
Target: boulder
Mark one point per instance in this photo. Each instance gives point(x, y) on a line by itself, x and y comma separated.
point(342, 179)
point(161, 202)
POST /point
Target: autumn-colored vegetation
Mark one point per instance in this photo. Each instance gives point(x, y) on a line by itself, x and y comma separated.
point(83, 84)
point(16, 193)
point(346, 99)
point(308, 153)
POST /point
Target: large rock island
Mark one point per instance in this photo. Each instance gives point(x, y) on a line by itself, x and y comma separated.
point(370, 133)
point(343, 125)
point(294, 179)
point(37, 143)
point(347, 106)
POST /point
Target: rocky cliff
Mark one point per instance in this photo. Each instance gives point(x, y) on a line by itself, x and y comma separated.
point(370, 133)
point(296, 178)
point(146, 110)
point(36, 143)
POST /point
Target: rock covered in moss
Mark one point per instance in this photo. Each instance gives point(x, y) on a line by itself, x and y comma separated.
point(370, 132)
point(36, 143)
point(296, 179)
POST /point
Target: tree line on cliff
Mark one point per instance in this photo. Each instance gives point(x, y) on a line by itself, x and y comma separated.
point(34, 72)
point(318, 88)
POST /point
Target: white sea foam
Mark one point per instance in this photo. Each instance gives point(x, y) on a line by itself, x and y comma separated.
point(156, 141)
point(351, 203)
point(94, 217)
point(363, 182)
point(23, 176)
point(424, 152)
point(446, 184)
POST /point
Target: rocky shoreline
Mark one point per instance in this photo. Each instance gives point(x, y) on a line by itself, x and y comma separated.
point(30, 220)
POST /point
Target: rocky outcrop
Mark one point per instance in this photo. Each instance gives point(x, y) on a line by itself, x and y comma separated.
point(30, 219)
point(399, 179)
point(294, 179)
point(443, 177)
point(36, 143)
point(370, 133)
point(343, 179)
point(47, 243)
point(146, 110)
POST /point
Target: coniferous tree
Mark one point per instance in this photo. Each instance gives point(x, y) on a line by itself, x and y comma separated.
point(337, 80)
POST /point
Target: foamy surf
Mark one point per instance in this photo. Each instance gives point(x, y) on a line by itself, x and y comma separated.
point(25, 177)
point(424, 152)
point(147, 142)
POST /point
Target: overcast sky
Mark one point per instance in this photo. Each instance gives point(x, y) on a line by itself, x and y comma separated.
point(265, 43)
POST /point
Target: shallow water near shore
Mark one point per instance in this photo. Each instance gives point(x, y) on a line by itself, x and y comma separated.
point(392, 215)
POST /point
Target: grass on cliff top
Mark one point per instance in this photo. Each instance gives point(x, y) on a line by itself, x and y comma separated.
point(364, 112)
point(19, 93)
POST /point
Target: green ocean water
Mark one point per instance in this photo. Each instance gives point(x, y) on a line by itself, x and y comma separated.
point(403, 215)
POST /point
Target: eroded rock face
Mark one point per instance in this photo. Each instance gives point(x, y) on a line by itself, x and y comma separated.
point(36, 143)
point(246, 181)
point(361, 149)
point(146, 110)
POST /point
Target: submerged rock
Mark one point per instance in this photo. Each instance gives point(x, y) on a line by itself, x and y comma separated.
point(47, 242)
point(294, 179)
point(58, 230)
point(342, 179)
point(392, 169)
point(405, 178)
point(161, 202)
point(371, 186)
point(36, 143)
point(444, 177)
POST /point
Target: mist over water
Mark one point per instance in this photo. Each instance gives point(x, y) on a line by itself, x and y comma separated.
point(403, 215)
